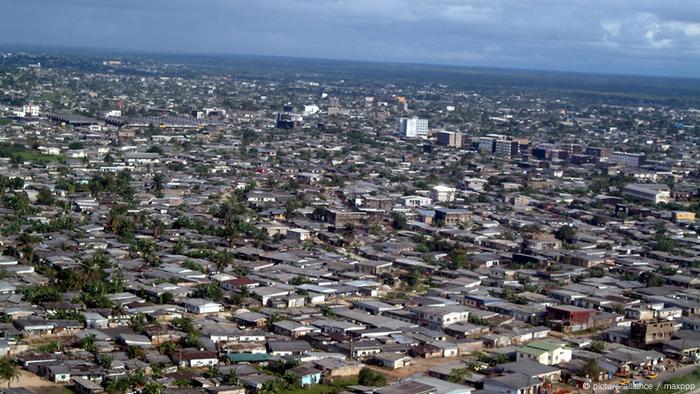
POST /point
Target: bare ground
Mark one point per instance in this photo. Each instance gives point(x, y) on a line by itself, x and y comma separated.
point(418, 365)
point(36, 384)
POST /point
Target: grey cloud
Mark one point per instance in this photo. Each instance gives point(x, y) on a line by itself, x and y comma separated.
point(618, 36)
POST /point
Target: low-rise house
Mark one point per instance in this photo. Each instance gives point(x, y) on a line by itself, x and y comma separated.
point(393, 360)
point(437, 317)
point(533, 369)
point(547, 353)
point(292, 329)
point(59, 373)
point(514, 383)
point(85, 386)
point(195, 358)
point(334, 367)
point(359, 349)
point(306, 375)
point(288, 348)
point(201, 306)
point(407, 388)
point(250, 319)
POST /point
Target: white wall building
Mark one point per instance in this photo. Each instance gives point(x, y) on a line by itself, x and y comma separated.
point(413, 127)
point(652, 192)
point(441, 193)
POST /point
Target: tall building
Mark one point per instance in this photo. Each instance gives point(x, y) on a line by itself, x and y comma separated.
point(413, 127)
point(450, 138)
point(485, 144)
point(288, 119)
point(505, 148)
point(333, 106)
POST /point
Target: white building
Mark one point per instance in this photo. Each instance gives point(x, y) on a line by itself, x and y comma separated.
point(298, 234)
point(200, 306)
point(416, 201)
point(442, 193)
point(436, 316)
point(413, 127)
point(652, 192)
point(544, 352)
point(311, 109)
point(31, 110)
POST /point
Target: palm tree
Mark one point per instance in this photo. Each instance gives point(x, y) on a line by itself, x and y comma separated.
point(157, 227)
point(118, 311)
point(25, 242)
point(157, 183)
point(459, 375)
point(9, 371)
point(88, 343)
point(91, 270)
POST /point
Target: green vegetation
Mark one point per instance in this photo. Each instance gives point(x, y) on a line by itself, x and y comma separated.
point(8, 371)
point(19, 154)
point(337, 386)
point(370, 377)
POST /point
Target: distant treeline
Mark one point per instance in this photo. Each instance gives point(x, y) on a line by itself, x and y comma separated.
point(608, 88)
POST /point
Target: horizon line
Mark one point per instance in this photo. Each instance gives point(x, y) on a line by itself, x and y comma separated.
point(136, 52)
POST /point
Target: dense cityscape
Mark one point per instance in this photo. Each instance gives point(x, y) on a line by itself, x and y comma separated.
point(242, 225)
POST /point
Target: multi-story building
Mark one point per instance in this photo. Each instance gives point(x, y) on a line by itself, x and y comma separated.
point(441, 193)
point(450, 138)
point(485, 144)
point(569, 318)
point(652, 192)
point(288, 120)
point(450, 217)
point(598, 152)
point(628, 159)
point(413, 127)
point(643, 333)
point(505, 148)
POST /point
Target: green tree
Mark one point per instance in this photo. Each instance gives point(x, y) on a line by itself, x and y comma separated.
point(88, 343)
point(566, 233)
point(209, 291)
point(591, 369)
point(9, 371)
point(598, 346)
point(45, 197)
point(459, 375)
point(398, 221)
point(370, 377)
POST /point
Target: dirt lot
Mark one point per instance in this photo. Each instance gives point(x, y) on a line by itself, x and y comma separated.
point(418, 365)
point(38, 385)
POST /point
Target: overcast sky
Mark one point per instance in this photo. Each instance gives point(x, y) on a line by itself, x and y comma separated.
point(659, 37)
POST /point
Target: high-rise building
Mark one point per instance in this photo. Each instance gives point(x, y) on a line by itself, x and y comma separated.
point(505, 148)
point(450, 138)
point(485, 145)
point(288, 119)
point(413, 127)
